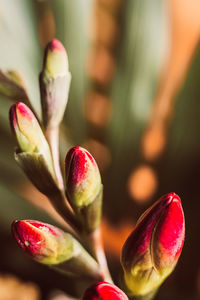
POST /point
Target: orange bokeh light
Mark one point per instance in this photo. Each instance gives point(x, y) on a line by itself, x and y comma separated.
point(153, 142)
point(101, 65)
point(115, 236)
point(98, 109)
point(142, 183)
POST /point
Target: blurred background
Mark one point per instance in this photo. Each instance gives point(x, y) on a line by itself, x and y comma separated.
point(134, 103)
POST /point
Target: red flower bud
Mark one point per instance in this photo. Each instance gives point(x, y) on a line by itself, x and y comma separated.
point(40, 240)
point(51, 246)
point(104, 291)
point(31, 141)
point(83, 179)
point(152, 250)
point(84, 187)
point(55, 59)
point(55, 44)
point(27, 130)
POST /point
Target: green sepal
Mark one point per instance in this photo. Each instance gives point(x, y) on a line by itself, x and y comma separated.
point(12, 86)
point(79, 264)
point(43, 178)
point(90, 215)
point(38, 171)
point(54, 95)
point(132, 296)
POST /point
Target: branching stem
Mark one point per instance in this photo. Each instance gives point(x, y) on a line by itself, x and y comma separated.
point(95, 243)
point(94, 239)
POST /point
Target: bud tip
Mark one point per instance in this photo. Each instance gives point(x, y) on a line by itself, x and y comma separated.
point(55, 44)
point(104, 291)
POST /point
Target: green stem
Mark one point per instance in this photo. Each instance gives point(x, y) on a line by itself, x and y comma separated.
point(94, 241)
point(59, 200)
point(60, 203)
point(82, 265)
point(52, 135)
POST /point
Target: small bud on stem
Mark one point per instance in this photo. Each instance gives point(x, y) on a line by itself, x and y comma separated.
point(28, 133)
point(84, 187)
point(51, 246)
point(55, 80)
point(104, 291)
point(84, 191)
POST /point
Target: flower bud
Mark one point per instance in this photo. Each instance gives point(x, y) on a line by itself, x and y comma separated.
point(55, 59)
point(27, 129)
point(51, 246)
point(83, 179)
point(54, 83)
point(104, 291)
point(83, 186)
point(44, 242)
point(29, 135)
point(152, 250)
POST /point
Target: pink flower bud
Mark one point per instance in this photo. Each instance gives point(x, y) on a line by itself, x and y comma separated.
point(152, 250)
point(55, 81)
point(51, 246)
point(55, 59)
point(83, 181)
point(27, 129)
point(104, 291)
point(44, 242)
point(55, 44)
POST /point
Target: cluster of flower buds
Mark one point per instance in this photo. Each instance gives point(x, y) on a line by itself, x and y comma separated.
point(84, 187)
point(39, 157)
point(152, 250)
point(104, 291)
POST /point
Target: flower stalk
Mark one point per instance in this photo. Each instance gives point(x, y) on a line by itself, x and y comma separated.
point(85, 192)
point(55, 81)
point(95, 243)
point(52, 135)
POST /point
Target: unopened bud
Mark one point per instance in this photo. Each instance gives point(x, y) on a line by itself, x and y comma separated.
point(34, 154)
point(51, 246)
point(55, 80)
point(55, 60)
point(27, 130)
point(152, 250)
point(104, 291)
point(83, 186)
